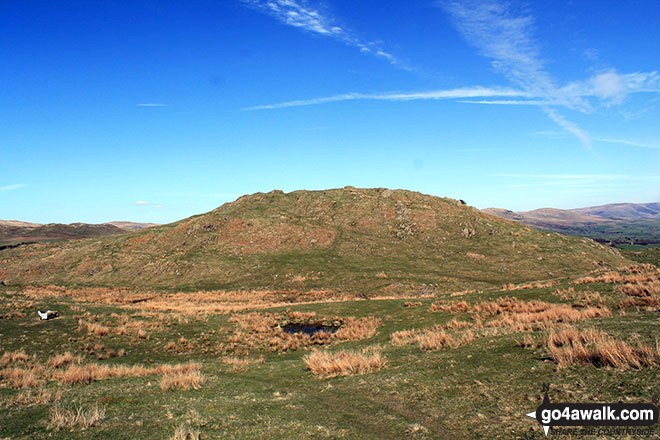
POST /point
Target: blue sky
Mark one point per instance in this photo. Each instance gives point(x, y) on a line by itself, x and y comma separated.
point(158, 110)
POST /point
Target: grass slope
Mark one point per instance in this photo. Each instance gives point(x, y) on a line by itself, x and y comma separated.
point(481, 389)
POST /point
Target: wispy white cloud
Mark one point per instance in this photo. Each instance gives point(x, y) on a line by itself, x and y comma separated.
point(504, 34)
point(467, 92)
point(570, 127)
point(152, 104)
point(611, 87)
point(625, 142)
point(508, 102)
point(141, 202)
point(556, 134)
point(12, 187)
point(300, 14)
point(608, 90)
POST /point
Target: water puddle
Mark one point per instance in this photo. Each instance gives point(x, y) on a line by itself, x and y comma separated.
point(309, 329)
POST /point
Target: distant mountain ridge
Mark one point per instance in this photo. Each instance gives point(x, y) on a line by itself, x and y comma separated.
point(13, 232)
point(616, 223)
point(624, 210)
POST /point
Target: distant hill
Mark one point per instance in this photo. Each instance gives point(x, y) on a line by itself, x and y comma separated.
point(131, 226)
point(14, 232)
point(358, 240)
point(624, 210)
point(623, 224)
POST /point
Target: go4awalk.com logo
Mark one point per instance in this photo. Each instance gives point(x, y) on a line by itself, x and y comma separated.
point(580, 419)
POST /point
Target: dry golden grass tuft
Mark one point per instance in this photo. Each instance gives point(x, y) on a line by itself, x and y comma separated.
point(649, 288)
point(185, 432)
point(344, 362)
point(62, 360)
point(88, 373)
point(580, 298)
point(629, 274)
point(523, 315)
point(453, 307)
point(80, 417)
point(536, 285)
point(403, 337)
point(435, 340)
point(640, 282)
point(255, 322)
point(79, 374)
point(41, 397)
point(456, 323)
point(570, 346)
point(93, 328)
point(21, 378)
point(300, 316)
point(241, 363)
point(356, 329)
point(412, 304)
point(542, 318)
point(462, 292)
point(182, 380)
point(13, 357)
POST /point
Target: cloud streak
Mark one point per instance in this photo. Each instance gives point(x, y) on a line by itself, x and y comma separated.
point(152, 104)
point(570, 127)
point(12, 187)
point(466, 92)
point(504, 36)
point(630, 143)
point(299, 14)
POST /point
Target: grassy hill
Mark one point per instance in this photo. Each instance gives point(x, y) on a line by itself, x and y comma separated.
point(363, 241)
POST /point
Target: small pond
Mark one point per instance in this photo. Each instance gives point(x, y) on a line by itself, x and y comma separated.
point(309, 329)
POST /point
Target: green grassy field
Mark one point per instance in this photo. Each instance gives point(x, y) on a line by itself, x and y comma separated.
point(481, 389)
